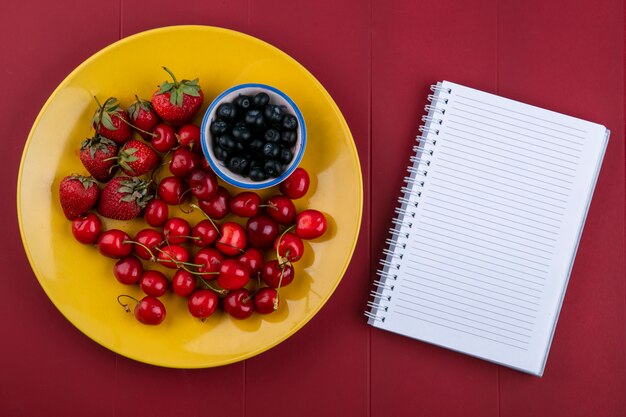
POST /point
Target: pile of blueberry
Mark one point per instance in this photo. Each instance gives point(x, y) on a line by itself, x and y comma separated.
point(253, 137)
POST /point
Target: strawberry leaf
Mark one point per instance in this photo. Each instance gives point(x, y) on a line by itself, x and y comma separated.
point(107, 121)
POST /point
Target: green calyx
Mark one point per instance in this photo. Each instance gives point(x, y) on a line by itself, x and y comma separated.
point(85, 181)
point(127, 157)
point(135, 190)
point(137, 106)
point(178, 89)
point(104, 113)
point(97, 143)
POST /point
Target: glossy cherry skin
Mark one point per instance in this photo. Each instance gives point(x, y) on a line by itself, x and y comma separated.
point(265, 299)
point(153, 283)
point(183, 283)
point(233, 275)
point(150, 310)
point(176, 231)
point(128, 270)
point(216, 207)
point(172, 190)
point(262, 231)
point(245, 204)
point(238, 304)
point(203, 184)
point(233, 239)
point(210, 260)
point(183, 162)
point(169, 255)
point(253, 259)
point(114, 244)
point(156, 213)
point(164, 138)
point(289, 246)
point(296, 185)
point(204, 234)
point(271, 274)
point(149, 238)
point(311, 224)
point(202, 303)
point(281, 209)
point(189, 137)
point(87, 229)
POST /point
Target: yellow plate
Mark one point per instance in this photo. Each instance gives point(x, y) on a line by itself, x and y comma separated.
point(80, 281)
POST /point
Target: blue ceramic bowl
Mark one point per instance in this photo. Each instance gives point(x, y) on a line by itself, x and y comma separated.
point(207, 138)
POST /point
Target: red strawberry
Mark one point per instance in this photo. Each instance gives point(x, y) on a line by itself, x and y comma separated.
point(77, 195)
point(179, 101)
point(136, 158)
point(123, 198)
point(143, 117)
point(111, 121)
point(98, 155)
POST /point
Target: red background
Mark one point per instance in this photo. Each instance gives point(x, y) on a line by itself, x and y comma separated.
point(377, 59)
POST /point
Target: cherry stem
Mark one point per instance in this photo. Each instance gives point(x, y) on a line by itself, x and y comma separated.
point(156, 170)
point(280, 281)
point(209, 286)
point(137, 128)
point(171, 75)
point(272, 206)
point(179, 264)
point(126, 308)
point(195, 206)
point(152, 257)
point(280, 238)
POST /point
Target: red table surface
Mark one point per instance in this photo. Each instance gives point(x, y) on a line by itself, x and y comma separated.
point(377, 60)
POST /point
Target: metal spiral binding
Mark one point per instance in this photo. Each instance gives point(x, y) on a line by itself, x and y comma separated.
point(433, 121)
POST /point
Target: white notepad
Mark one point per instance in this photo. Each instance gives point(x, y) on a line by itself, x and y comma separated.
point(488, 226)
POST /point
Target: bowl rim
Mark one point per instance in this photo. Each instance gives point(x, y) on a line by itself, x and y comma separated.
point(204, 138)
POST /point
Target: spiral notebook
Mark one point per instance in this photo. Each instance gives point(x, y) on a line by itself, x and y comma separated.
point(487, 226)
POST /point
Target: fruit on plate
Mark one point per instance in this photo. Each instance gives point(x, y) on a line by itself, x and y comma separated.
point(143, 117)
point(123, 198)
point(111, 121)
point(137, 158)
point(149, 310)
point(178, 101)
point(296, 185)
point(98, 155)
point(77, 195)
point(87, 229)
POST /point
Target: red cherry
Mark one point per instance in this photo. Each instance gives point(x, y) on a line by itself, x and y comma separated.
point(183, 283)
point(164, 138)
point(281, 209)
point(253, 259)
point(310, 224)
point(153, 283)
point(266, 300)
point(233, 240)
point(148, 240)
point(171, 255)
point(189, 137)
point(217, 206)
point(204, 164)
point(272, 272)
point(239, 304)
point(262, 231)
point(296, 185)
point(209, 260)
point(290, 247)
point(233, 275)
point(203, 184)
point(204, 233)
point(150, 310)
point(183, 162)
point(245, 204)
point(87, 229)
point(156, 213)
point(128, 270)
point(115, 244)
point(176, 230)
point(172, 190)
point(202, 303)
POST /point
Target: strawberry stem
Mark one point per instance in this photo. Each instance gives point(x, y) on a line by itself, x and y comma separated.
point(171, 75)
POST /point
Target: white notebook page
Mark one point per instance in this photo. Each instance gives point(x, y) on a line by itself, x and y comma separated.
point(495, 228)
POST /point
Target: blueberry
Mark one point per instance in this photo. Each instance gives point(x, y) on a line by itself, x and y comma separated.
point(290, 122)
point(256, 146)
point(238, 165)
point(221, 154)
point(227, 111)
point(243, 102)
point(271, 135)
point(257, 174)
point(260, 100)
point(272, 168)
point(239, 147)
point(241, 132)
point(285, 155)
point(289, 137)
point(256, 163)
point(254, 119)
point(226, 142)
point(270, 150)
point(273, 114)
point(218, 127)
